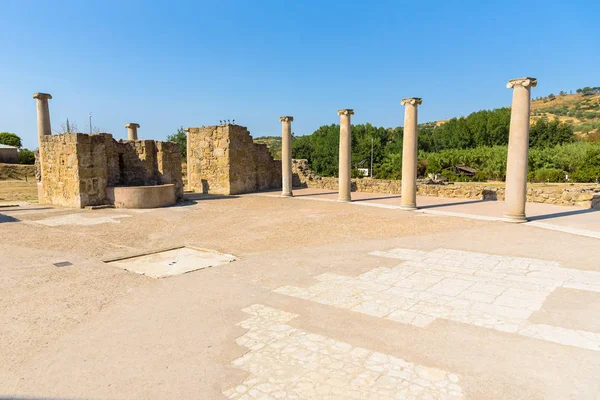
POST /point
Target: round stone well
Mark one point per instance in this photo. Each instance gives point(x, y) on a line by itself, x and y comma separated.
point(142, 196)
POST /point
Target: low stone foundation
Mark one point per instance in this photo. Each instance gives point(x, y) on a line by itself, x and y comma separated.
point(303, 176)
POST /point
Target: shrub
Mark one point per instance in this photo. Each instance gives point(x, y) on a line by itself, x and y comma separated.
point(26, 157)
point(547, 175)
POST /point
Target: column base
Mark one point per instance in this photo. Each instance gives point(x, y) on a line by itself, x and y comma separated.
point(344, 200)
point(287, 194)
point(408, 207)
point(515, 219)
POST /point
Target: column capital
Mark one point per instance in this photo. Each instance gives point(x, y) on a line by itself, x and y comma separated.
point(286, 119)
point(346, 111)
point(132, 125)
point(42, 96)
point(525, 82)
point(413, 101)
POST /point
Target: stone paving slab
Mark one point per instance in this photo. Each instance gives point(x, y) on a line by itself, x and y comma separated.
point(491, 291)
point(289, 363)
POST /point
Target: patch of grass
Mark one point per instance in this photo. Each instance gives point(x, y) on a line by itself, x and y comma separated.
point(17, 190)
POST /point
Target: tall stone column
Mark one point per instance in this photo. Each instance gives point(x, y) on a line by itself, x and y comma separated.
point(188, 157)
point(286, 155)
point(345, 169)
point(43, 114)
point(132, 128)
point(518, 149)
point(44, 128)
point(408, 201)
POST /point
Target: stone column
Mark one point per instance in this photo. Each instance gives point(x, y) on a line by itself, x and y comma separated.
point(132, 128)
point(44, 128)
point(345, 169)
point(43, 114)
point(286, 155)
point(518, 149)
point(408, 201)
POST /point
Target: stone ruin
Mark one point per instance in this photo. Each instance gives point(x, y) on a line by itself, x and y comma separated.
point(223, 159)
point(80, 170)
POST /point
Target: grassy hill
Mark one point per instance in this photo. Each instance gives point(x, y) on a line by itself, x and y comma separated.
point(273, 143)
point(580, 110)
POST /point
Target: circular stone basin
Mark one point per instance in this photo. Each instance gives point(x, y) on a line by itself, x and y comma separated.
point(142, 196)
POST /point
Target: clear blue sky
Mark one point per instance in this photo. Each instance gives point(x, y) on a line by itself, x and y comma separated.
point(166, 64)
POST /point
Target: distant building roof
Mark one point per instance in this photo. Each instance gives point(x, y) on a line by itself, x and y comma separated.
point(465, 169)
point(5, 146)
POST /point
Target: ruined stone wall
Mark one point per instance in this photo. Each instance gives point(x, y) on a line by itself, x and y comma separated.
point(168, 162)
point(303, 176)
point(252, 168)
point(61, 171)
point(78, 168)
point(208, 159)
point(225, 160)
point(92, 169)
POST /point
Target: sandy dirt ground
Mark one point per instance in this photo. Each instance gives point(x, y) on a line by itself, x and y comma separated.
point(91, 330)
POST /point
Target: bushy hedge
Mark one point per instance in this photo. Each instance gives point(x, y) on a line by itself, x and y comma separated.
point(580, 160)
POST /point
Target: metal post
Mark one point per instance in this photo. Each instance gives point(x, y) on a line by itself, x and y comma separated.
point(90, 123)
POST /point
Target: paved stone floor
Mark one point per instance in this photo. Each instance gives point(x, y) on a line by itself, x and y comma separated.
point(289, 363)
point(486, 290)
point(324, 300)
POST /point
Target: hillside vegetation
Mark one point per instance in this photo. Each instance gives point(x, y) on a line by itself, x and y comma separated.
point(564, 141)
point(580, 110)
point(273, 143)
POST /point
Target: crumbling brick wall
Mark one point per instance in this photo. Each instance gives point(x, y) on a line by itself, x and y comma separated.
point(224, 160)
point(77, 168)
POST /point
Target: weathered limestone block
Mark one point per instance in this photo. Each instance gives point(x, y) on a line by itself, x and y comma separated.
point(224, 160)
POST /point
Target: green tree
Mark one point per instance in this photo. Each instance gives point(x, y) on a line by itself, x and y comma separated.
point(180, 138)
point(10, 139)
point(26, 156)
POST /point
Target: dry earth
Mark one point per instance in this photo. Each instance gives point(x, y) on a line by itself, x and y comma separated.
point(90, 330)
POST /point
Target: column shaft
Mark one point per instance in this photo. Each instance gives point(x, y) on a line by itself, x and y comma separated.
point(44, 129)
point(286, 156)
point(345, 169)
point(518, 150)
point(187, 159)
point(132, 134)
point(409, 158)
point(43, 117)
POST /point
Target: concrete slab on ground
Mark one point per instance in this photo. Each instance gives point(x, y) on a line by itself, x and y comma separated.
point(172, 262)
